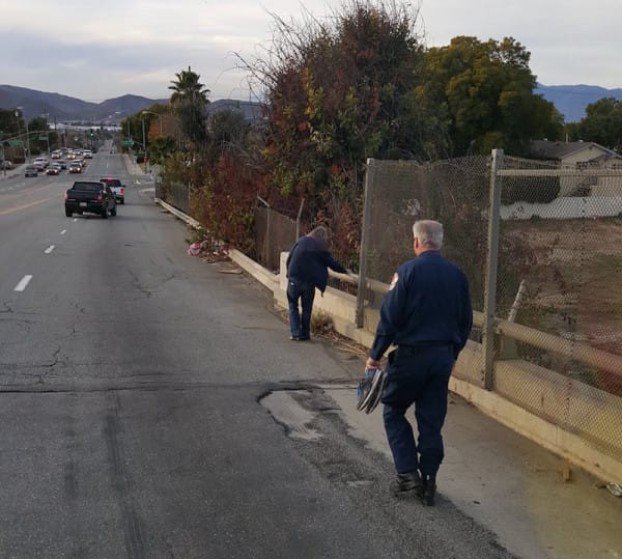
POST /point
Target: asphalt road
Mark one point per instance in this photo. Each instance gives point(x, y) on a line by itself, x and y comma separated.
point(131, 424)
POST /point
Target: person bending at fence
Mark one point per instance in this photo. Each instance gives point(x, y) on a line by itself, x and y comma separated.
point(307, 268)
point(427, 315)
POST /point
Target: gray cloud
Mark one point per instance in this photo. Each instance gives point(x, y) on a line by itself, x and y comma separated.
point(99, 71)
point(92, 50)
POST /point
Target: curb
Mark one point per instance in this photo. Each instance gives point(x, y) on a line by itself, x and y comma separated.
point(257, 271)
point(12, 173)
point(178, 213)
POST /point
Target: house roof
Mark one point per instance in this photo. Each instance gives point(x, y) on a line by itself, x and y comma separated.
point(543, 149)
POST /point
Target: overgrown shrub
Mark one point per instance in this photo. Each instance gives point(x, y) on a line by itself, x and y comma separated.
point(223, 202)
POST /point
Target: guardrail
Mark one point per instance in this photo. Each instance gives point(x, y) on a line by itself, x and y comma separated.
point(578, 351)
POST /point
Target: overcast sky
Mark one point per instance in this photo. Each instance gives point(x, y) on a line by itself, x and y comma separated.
point(99, 49)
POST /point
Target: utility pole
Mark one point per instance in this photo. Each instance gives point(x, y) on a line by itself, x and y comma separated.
point(145, 160)
point(27, 139)
point(3, 159)
point(17, 114)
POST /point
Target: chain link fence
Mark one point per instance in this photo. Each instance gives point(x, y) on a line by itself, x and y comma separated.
point(549, 240)
point(397, 193)
point(274, 233)
point(555, 344)
point(176, 194)
point(564, 228)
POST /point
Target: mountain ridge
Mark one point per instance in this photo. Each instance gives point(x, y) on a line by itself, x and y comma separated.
point(570, 101)
point(64, 107)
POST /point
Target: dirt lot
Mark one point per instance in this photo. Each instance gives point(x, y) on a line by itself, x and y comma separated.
point(574, 289)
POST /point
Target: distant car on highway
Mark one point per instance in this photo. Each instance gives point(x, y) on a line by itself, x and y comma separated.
point(6, 164)
point(75, 167)
point(90, 197)
point(62, 163)
point(31, 171)
point(53, 170)
point(117, 187)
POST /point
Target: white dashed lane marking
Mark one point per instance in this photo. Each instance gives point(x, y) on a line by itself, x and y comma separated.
point(75, 219)
point(23, 283)
point(49, 249)
point(63, 231)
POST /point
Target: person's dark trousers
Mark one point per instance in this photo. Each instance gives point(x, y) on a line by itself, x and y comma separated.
point(300, 294)
point(417, 376)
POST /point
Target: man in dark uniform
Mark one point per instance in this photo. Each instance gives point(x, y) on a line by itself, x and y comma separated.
point(307, 268)
point(427, 314)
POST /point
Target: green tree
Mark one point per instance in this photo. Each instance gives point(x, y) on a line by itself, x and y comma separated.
point(602, 124)
point(483, 92)
point(161, 148)
point(228, 130)
point(228, 127)
point(132, 130)
point(10, 125)
point(189, 99)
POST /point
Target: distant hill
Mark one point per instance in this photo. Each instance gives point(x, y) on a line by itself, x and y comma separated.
point(35, 102)
point(64, 108)
point(121, 107)
point(571, 100)
point(250, 110)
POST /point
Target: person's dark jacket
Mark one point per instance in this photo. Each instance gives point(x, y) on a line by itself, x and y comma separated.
point(309, 260)
point(428, 303)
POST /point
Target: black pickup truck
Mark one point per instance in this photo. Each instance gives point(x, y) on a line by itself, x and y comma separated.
point(90, 196)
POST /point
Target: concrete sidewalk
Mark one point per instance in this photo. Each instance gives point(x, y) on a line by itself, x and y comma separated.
point(134, 168)
point(505, 482)
point(510, 485)
point(18, 170)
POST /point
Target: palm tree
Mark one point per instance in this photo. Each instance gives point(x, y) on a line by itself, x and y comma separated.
point(188, 88)
point(189, 98)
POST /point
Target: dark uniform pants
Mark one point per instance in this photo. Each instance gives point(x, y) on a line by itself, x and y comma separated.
point(303, 292)
point(419, 376)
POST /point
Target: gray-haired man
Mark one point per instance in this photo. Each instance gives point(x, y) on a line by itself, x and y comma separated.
point(307, 268)
point(427, 314)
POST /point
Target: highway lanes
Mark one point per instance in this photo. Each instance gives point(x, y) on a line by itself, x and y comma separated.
point(130, 423)
point(129, 378)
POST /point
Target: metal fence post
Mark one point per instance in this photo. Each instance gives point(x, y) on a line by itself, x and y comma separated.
point(362, 286)
point(266, 241)
point(492, 263)
point(298, 218)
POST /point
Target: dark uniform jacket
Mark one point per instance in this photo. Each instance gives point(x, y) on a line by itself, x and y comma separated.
point(428, 304)
point(309, 260)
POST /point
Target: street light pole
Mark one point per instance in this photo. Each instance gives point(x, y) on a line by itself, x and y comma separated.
point(17, 111)
point(3, 159)
point(145, 148)
point(158, 115)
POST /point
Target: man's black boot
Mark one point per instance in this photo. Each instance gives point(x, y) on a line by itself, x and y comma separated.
point(428, 490)
point(406, 485)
